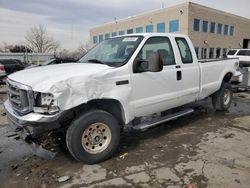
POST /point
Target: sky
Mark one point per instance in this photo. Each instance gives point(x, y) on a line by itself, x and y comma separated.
point(69, 21)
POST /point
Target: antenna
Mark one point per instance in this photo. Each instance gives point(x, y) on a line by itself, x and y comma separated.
point(162, 4)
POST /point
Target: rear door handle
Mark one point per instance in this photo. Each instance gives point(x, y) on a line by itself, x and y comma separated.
point(178, 66)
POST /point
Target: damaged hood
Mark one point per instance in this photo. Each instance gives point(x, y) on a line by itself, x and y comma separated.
point(43, 78)
point(73, 84)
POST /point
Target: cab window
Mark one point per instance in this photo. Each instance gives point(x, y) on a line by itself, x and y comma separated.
point(184, 50)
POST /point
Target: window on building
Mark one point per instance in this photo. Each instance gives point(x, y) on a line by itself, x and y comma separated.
point(100, 38)
point(197, 51)
point(225, 29)
point(218, 52)
point(94, 39)
point(107, 36)
point(184, 50)
point(130, 31)
point(160, 45)
point(121, 32)
point(212, 27)
point(219, 29)
point(224, 53)
point(139, 30)
point(196, 24)
point(113, 34)
point(149, 28)
point(174, 26)
point(232, 30)
point(161, 28)
point(211, 53)
point(204, 26)
point(203, 53)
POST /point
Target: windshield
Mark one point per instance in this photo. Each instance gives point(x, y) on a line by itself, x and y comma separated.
point(113, 52)
point(231, 52)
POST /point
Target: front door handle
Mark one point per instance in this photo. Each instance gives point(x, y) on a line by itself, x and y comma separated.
point(179, 75)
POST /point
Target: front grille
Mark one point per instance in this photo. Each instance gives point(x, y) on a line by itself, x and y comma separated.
point(20, 97)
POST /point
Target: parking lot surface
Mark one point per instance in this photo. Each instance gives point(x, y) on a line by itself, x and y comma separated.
point(205, 149)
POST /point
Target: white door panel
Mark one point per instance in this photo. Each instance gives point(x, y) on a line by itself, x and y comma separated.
point(154, 91)
point(190, 82)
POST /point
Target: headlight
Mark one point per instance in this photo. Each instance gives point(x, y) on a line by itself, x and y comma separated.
point(45, 103)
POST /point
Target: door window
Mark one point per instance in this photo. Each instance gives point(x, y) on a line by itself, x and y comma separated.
point(160, 45)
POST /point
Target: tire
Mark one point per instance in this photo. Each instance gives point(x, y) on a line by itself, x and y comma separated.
point(93, 137)
point(222, 99)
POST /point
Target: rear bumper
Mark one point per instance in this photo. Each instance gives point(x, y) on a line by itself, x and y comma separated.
point(32, 124)
point(237, 77)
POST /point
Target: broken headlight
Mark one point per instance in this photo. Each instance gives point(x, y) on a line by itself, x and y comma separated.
point(45, 103)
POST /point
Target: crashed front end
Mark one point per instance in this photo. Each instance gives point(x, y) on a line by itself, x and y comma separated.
point(30, 113)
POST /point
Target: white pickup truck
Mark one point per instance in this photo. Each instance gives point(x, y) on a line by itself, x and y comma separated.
point(115, 85)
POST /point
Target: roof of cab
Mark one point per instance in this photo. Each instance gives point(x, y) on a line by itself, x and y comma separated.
point(153, 34)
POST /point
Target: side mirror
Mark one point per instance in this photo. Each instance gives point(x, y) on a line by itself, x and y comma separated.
point(153, 64)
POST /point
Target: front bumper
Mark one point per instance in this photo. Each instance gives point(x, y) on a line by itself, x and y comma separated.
point(33, 124)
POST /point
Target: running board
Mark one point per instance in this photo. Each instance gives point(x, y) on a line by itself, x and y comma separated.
point(163, 119)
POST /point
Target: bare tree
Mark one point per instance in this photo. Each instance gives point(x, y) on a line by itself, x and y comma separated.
point(82, 49)
point(38, 40)
point(5, 47)
point(76, 54)
point(1, 49)
point(19, 48)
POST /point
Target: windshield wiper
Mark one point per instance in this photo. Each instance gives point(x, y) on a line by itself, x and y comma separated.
point(96, 61)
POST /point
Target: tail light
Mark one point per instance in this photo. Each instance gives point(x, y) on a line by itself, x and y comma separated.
point(2, 68)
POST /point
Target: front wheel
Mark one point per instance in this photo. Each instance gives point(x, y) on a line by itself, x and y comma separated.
point(93, 137)
point(222, 99)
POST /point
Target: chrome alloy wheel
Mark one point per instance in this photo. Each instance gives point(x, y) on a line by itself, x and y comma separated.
point(227, 97)
point(96, 138)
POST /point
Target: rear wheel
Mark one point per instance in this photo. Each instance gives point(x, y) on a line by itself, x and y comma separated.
point(222, 99)
point(93, 137)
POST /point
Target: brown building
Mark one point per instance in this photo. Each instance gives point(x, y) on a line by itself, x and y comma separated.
point(212, 31)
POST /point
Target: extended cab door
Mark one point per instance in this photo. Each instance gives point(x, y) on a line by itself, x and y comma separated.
point(157, 91)
point(189, 69)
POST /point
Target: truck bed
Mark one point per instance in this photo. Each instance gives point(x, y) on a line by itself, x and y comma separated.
point(212, 60)
point(218, 68)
